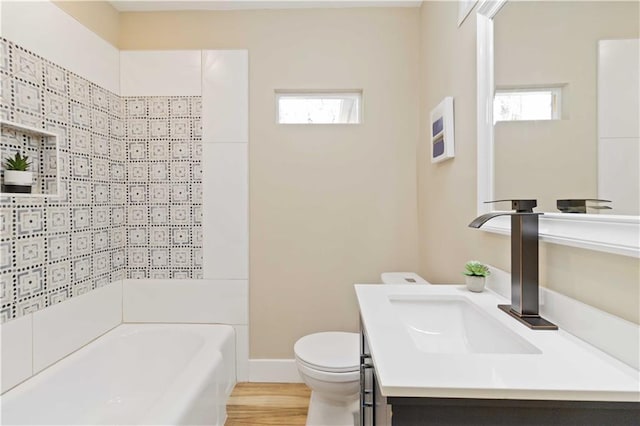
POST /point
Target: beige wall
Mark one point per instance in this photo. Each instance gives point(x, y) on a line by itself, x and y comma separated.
point(99, 16)
point(447, 191)
point(330, 206)
point(549, 160)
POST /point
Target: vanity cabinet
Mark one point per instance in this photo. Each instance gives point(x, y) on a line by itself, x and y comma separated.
point(379, 410)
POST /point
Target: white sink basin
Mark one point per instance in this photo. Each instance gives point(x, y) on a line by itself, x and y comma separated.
point(452, 324)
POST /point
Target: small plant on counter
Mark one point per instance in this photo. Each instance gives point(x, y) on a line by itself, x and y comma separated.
point(17, 177)
point(476, 275)
point(473, 268)
point(17, 163)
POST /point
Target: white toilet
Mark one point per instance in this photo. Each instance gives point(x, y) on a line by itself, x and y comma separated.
point(329, 363)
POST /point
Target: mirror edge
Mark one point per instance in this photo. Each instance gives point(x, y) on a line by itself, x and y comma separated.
point(607, 233)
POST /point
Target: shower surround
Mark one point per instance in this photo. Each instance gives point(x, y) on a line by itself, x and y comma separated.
point(130, 199)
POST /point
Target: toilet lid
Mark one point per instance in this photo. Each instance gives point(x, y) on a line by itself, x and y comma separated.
point(333, 351)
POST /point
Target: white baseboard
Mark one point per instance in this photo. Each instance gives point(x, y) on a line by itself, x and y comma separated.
point(274, 371)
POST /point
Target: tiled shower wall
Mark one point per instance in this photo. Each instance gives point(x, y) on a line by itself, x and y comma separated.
point(130, 188)
point(164, 178)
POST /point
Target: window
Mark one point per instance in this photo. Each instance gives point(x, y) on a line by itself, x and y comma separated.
point(319, 107)
point(527, 104)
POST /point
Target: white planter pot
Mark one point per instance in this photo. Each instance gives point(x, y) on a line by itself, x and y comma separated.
point(18, 178)
point(475, 283)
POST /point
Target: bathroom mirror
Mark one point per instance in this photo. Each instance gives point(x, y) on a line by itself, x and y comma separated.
point(541, 131)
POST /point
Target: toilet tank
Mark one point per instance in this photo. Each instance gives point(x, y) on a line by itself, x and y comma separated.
point(402, 278)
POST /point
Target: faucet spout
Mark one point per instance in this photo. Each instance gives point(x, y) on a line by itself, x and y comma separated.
point(481, 220)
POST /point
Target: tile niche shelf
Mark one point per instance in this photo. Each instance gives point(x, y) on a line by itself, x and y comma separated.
point(42, 148)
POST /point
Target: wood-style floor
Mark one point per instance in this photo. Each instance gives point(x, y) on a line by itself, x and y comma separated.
point(255, 404)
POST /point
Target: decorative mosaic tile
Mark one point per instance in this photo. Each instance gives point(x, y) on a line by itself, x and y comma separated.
point(100, 241)
point(180, 171)
point(117, 171)
point(159, 273)
point(100, 169)
point(138, 236)
point(26, 66)
point(56, 107)
point(59, 295)
point(4, 56)
point(159, 150)
point(81, 268)
point(159, 257)
point(129, 201)
point(79, 89)
point(29, 282)
point(55, 78)
point(117, 216)
point(159, 236)
point(101, 216)
point(180, 236)
point(159, 215)
point(80, 218)
point(101, 263)
point(159, 193)
point(80, 141)
point(136, 107)
point(118, 193)
point(58, 219)
point(179, 107)
point(59, 247)
point(80, 243)
point(159, 129)
point(138, 257)
point(118, 258)
point(80, 115)
point(59, 274)
point(159, 171)
point(138, 215)
point(29, 221)
point(80, 167)
point(6, 222)
point(29, 252)
point(27, 97)
point(180, 150)
point(138, 172)
point(101, 193)
point(180, 215)
point(100, 98)
point(6, 288)
point(30, 305)
point(100, 123)
point(80, 288)
point(159, 107)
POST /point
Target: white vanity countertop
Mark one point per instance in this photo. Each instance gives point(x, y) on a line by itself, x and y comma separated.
point(566, 369)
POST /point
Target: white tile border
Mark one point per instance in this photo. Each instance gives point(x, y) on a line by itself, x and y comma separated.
point(225, 223)
point(186, 301)
point(225, 93)
point(160, 73)
point(242, 353)
point(17, 352)
point(57, 331)
point(48, 31)
point(274, 371)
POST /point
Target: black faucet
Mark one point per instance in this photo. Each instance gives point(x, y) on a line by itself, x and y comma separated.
point(524, 262)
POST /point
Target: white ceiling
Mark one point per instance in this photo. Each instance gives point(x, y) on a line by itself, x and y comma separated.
point(165, 5)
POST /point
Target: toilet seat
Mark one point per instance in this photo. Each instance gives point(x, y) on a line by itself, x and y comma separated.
point(329, 352)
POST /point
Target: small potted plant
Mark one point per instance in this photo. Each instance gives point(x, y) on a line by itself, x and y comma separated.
point(476, 274)
point(17, 177)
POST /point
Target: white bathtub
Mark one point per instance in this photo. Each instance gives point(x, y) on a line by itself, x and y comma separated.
point(136, 374)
